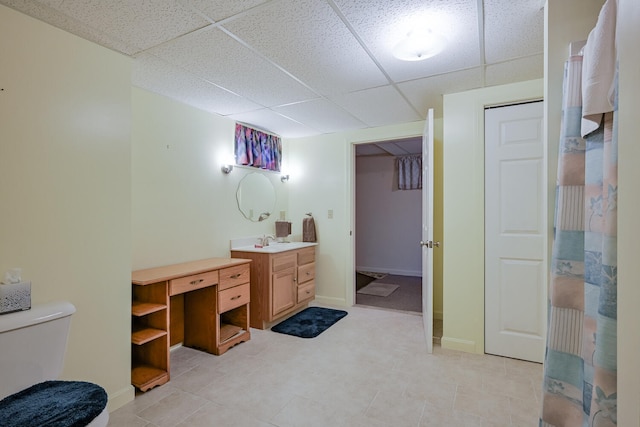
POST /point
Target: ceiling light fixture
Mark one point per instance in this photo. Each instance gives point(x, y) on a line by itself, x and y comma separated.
point(419, 44)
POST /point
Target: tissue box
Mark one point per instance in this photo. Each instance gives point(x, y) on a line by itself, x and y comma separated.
point(15, 297)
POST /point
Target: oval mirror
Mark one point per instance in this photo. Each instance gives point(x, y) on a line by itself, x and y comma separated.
point(256, 197)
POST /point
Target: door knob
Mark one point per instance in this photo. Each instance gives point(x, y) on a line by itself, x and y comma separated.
point(430, 244)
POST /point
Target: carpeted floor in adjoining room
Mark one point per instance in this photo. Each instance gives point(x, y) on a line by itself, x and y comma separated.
point(408, 297)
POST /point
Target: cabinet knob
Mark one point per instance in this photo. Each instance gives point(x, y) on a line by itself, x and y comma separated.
point(235, 276)
point(196, 282)
point(236, 297)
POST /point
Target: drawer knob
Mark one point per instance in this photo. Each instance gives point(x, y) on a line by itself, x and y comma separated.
point(196, 282)
point(236, 297)
point(235, 276)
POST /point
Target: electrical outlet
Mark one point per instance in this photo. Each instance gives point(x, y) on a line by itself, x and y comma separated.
point(330, 214)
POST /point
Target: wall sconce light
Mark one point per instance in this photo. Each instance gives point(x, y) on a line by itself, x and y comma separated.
point(226, 169)
point(284, 178)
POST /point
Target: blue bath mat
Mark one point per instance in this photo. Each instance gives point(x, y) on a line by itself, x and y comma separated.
point(310, 322)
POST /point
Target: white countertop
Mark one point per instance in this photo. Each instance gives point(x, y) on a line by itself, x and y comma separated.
point(274, 247)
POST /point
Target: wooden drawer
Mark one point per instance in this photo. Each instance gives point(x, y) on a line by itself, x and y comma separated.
point(282, 262)
point(306, 291)
point(306, 272)
point(306, 255)
point(233, 297)
point(233, 276)
point(190, 283)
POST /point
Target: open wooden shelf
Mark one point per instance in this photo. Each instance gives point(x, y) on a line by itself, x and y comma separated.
point(229, 331)
point(144, 335)
point(146, 377)
point(141, 308)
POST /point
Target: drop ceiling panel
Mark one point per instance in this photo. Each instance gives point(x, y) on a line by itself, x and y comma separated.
point(273, 122)
point(219, 10)
point(382, 24)
point(427, 93)
point(330, 57)
point(369, 150)
point(322, 115)
point(513, 29)
point(42, 11)
point(213, 55)
point(142, 24)
point(310, 41)
point(378, 106)
point(401, 147)
point(155, 75)
point(515, 71)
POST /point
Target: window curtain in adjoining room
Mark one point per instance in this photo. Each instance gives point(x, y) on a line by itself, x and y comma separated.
point(258, 149)
point(580, 368)
point(409, 172)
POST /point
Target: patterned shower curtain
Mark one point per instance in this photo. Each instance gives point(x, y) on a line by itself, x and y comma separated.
point(580, 387)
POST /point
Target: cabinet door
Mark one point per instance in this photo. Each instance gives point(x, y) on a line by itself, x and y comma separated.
point(283, 291)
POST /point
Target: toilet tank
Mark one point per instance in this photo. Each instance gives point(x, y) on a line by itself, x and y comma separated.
point(32, 345)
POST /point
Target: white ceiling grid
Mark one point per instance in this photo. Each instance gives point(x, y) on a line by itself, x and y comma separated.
point(305, 67)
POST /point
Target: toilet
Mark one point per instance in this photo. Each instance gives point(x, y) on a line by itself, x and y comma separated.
point(32, 349)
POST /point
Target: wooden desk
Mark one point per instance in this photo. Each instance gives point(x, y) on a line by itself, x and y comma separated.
point(204, 304)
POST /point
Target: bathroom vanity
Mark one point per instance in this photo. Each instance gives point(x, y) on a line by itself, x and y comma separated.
point(282, 279)
point(202, 304)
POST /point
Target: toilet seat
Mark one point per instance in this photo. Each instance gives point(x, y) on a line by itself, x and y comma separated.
point(101, 420)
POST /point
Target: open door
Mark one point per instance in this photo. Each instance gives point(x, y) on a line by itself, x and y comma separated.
point(427, 242)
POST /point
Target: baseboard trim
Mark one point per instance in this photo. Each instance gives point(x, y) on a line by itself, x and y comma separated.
point(120, 398)
point(338, 302)
point(458, 344)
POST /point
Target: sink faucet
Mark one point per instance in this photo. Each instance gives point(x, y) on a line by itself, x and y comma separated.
point(264, 240)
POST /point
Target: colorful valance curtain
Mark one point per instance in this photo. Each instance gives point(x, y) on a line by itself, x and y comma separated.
point(257, 149)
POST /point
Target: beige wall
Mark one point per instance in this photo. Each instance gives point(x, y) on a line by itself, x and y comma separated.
point(66, 185)
point(65, 180)
point(184, 208)
point(628, 214)
point(463, 178)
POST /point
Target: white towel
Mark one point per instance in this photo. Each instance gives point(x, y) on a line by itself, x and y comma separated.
point(598, 69)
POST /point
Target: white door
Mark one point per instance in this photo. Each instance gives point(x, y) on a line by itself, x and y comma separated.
point(427, 242)
point(515, 232)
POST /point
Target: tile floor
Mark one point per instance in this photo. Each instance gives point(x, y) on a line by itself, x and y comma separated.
point(369, 369)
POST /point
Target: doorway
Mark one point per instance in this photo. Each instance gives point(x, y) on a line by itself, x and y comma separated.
point(387, 228)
